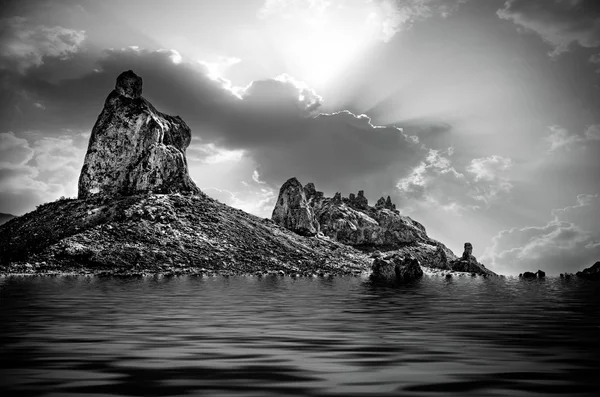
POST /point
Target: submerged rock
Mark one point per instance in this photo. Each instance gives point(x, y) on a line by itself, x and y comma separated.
point(396, 268)
point(134, 148)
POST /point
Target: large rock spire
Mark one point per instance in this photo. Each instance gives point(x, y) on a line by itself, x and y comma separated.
point(134, 148)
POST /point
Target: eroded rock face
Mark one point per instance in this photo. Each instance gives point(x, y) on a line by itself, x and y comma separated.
point(292, 210)
point(134, 148)
point(350, 220)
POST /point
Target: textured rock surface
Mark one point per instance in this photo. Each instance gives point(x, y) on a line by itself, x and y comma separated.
point(134, 148)
point(396, 268)
point(292, 210)
point(163, 233)
point(468, 263)
point(591, 273)
point(353, 222)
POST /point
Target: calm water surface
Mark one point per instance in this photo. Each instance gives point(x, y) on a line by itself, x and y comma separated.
point(250, 336)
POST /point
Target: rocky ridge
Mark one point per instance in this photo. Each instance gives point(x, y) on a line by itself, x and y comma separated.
point(351, 221)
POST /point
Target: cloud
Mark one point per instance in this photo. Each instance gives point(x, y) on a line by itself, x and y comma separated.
point(24, 45)
point(435, 182)
point(559, 23)
point(568, 242)
point(386, 16)
point(560, 138)
point(275, 125)
point(31, 174)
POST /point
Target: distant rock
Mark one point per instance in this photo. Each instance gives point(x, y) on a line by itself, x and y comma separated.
point(292, 210)
point(540, 274)
point(591, 273)
point(468, 263)
point(396, 268)
point(134, 148)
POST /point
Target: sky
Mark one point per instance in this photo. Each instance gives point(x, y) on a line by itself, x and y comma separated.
point(481, 119)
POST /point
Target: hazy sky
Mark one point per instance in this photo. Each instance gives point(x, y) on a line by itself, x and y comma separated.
point(480, 118)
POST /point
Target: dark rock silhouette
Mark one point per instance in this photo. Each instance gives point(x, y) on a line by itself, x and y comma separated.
point(468, 263)
point(528, 275)
point(396, 268)
point(591, 273)
point(540, 274)
point(134, 148)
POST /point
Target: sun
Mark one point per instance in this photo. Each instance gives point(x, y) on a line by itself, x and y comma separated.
point(317, 44)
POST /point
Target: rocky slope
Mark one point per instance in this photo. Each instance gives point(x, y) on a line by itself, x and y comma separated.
point(170, 233)
point(353, 222)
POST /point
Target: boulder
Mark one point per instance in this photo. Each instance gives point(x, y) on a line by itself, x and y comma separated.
point(540, 274)
point(396, 268)
point(292, 210)
point(591, 273)
point(134, 148)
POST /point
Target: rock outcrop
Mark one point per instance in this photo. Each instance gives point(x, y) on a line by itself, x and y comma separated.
point(351, 221)
point(591, 273)
point(396, 268)
point(134, 148)
point(292, 210)
point(468, 263)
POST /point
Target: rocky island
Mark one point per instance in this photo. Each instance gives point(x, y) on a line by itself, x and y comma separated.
point(138, 211)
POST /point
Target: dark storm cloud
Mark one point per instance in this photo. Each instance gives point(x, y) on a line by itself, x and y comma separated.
point(276, 122)
point(559, 23)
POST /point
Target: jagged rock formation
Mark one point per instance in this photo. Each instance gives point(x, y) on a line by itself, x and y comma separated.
point(395, 267)
point(292, 210)
point(353, 222)
point(468, 263)
point(134, 148)
point(591, 273)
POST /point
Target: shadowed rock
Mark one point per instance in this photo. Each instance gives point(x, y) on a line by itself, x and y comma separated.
point(396, 268)
point(292, 210)
point(134, 148)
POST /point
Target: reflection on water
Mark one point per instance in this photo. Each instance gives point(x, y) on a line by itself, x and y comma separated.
point(250, 336)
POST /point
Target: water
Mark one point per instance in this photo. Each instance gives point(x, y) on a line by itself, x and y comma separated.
point(250, 336)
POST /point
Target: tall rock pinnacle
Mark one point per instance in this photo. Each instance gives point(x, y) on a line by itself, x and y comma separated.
point(134, 148)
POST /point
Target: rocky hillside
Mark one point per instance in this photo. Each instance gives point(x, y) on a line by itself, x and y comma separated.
point(351, 221)
point(170, 233)
point(139, 211)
